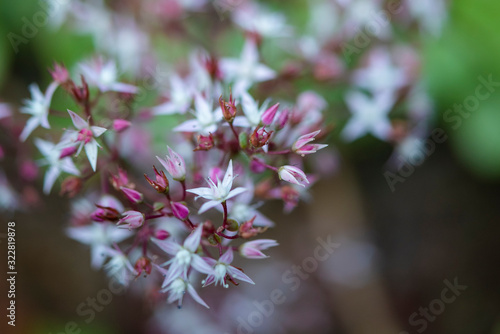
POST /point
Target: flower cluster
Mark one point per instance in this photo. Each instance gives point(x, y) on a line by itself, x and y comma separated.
point(236, 132)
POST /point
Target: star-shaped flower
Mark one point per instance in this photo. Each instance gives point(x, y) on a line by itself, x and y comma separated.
point(206, 118)
point(99, 236)
point(84, 138)
point(247, 70)
point(51, 157)
point(104, 76)
point(369, 115)
point(38, 107)
point(220, 192)
point(183, 256)
point(222, 268)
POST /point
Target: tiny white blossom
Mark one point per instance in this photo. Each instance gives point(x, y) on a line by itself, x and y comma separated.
point(222, 268)
point(220, 192)
point(99, 236)
point(206, 118)
point(247, 70)
point(104, 76)
point(84, 138)
point(251, 110)
point(38, 107)
point(119, 267)
point(183, 256)
point(369, 115)
point(51, 157)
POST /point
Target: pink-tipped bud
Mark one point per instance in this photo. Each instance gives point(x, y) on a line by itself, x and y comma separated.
point(104, 213)
point(59, 74)
point(247, 230)
point(161, 184)
point(174, 164)
point(120, 125)
point(67, 151)
point(120, 180)
point(293, 175)
point(131, 219)
point(132, 195)
point(71, 186)
point(179, 210)
point(228, 108)
point(302, 146)
point(161, 234)
point(260, 137)
point(252, 249)
point(268, 115)
point(81, 94)
point(205, 143)
point(282, 119)
point(143, 265)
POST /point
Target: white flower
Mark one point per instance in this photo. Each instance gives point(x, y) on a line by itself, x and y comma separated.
point(257, 18)
point(119, 267)
point(99, 236)
point(252, 249)
point(85, 136)
point(380, 75)
point(251, 110)
point(220, 192)
point(223, 268)
point(369, 115)
point(180, 98)
point(247, 70)
point(104, 76)
point(177, 289)
point(51, 154)
point(432, 14)
point(184, 256)
point(38, 107)
point(206, 118)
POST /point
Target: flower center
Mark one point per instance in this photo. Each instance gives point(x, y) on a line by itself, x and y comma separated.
point(85, 135)
point(183, 256)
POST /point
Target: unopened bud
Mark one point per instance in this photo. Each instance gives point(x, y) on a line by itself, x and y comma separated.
point(232, 225)
point(205, 143)
point(161, 234)
point(260, 137)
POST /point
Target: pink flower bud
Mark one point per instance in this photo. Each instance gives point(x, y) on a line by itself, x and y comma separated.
point(252, 249)
point(228, 108)
point(59, 73)
point(293, 175)
point(302, 146)
point(205, 143)
point(120, 125)
point(282, 119)
point(268, 115)
point(161, 184)
point(131, 219)
point(161, 234)
point(174, 164)
point(120, 180)
point(260, 137)
point(104, 213)
point(179, 210)
point(68, 151)
point(143, 265)
point(132, 195)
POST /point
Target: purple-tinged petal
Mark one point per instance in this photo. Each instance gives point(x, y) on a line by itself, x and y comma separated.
point(238, 274)
point(193, 240)
point(195, 295)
